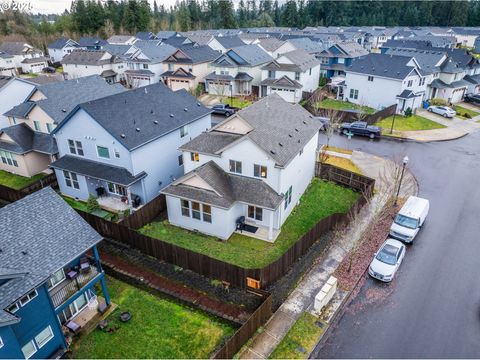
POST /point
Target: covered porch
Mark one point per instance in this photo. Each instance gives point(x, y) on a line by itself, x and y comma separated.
point(259, 223)
point(408, 99)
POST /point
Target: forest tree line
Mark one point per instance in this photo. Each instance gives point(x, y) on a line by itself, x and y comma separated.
point(105, 18)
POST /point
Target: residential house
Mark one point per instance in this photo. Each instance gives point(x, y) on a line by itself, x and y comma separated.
point(145, 63)
point(188, 66)
point(237, 72)
point(225, 43)
point(81, 63)
point(122, 40)
point(34, 65)
point(165, 34)
point(92, 43)
point(253, 166)
point(270, 45)
point(290, 75)
point(381, 80)
point(7, 65)
point(61, 47)
point(26, 146)
point(145, 35)
point(48, 277)
point(110, 147)
point(303, 43)
point(180, 41)
point(376, 37)
point(465, 37)
point(20, 51)
point(337, 57)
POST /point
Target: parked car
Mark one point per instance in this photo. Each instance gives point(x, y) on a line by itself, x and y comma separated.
point(445, 111)
point(472, 98)
point(324, 121)
point(49, 69)
point(387, 260)
point(410, 219)
point(360, 128)
point(224, 109)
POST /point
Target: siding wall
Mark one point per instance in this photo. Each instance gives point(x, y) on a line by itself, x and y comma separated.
point(11, 95)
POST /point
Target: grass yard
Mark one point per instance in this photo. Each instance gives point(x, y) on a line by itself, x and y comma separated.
point(300, 340)
point(344, 105)
point(17, 182)
point(82, 206)
point(236, 102)
point(321, 199)
point(412, 123)
point(343, 163)
point(338, 150)
point(159, 328)
point(461, 111)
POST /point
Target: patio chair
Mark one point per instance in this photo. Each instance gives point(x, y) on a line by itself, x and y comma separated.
point(71, 273)
point(102, 308)
point(240, 223)
point(84, 265)
point(73, 327)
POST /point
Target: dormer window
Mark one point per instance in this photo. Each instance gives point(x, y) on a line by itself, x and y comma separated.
point(297, 76)
point(271, 74)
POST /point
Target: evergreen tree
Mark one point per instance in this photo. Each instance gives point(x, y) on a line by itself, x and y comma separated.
point(242, 14)
point(276, 13)
point(290, 14)
point(227, 17)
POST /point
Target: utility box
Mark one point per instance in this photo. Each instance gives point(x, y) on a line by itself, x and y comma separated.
point(325, 294)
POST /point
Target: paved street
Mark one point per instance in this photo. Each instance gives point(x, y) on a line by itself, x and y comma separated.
point(432, 309)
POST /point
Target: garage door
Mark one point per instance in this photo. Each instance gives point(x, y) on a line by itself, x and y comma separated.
point(179, 84)
point(286, 94)
point(457, 95)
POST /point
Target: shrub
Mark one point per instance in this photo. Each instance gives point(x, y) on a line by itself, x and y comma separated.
point(126, 212)
point(438, 102)
point(467, 115)
point(408, 112)
point(323, 81)
point(92, 203)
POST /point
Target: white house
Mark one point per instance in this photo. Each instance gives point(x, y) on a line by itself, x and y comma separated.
point(20, 51)
point(237, 72)
point(7, 65)
point(290, 75)
point(58, 49)
point(381, 80)
point(34, 65)
point(14, 92)
point(250, 169)
point(122, 40)
point(225, 43)
point(123, 148)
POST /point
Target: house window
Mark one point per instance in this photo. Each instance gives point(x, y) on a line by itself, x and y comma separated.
point(73, 309)
point(75, 147)
point(325, 60)
point(410, 83)
point(50, 127)
point(44, 336)
point(14, 121)
point(117, 189)
point(190, 69)
point(236, 166)
point(103, 152)
point(145, 66)
point(29, 297)
point(180, 160)
point(271, 74)
point(194, 157)
point(195, 210)
point(117, 153)
point(370, 78)
point(260, 171)
point(36, 124)
point(29, 349)
point(185, 208)
point(183, 131)
point(56, 279)
point(207, 213)
point(8, 158)
point(310, 71)
point(288, 197)
point(170, 67)
point(353, 94)
point(13, 308)
point(297, 76)
point(71, 179)
point(341, 61)
point(1, 342)
point(255, 213)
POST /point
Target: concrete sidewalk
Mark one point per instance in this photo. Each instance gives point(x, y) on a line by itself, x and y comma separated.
point(302, 297)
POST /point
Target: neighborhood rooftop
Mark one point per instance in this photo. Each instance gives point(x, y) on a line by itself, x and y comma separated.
point(25, 140)
point(383, 65)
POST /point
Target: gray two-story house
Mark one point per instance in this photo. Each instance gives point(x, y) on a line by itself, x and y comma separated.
point(123, 149)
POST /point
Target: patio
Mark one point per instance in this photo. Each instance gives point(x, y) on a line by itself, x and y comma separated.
point(112, 204)
point(261, 232)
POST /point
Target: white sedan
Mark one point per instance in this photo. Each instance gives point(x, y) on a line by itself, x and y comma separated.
point(445, 111)
point(387, 260)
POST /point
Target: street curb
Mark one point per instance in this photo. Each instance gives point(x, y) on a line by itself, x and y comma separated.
point(403, 139)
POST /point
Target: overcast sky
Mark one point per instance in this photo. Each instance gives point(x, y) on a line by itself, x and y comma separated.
point(58, 6)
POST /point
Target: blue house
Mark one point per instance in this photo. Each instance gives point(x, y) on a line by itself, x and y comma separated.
point(123, 149)
point(46, 280)
point(336, 58)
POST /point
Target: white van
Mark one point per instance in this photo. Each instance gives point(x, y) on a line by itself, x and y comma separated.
point(410, 218)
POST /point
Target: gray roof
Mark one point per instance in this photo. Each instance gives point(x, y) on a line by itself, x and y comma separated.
point(384, 65)
point(195, 55)
point(212, 142)
point(119, 39)
point(229, 188)
point(17, 48)
point(34, 60)
point(427, 59)
point(46, 79)
point(86, 41)
point(216, 77)
point(166, 34)
point(145, 35)
point(4, 80)
point(154, 110)
point(116, 50)
point(312, 47)
point(21, 110)
point(407, 94)
point(229, 42)
point(60, 43)
point(451, 67)
point(348, 49)
point(62, 97)
point(439, 84)
point(97, 170)
point(26, 140)
point(251, 55)
point(302, 59)
point(32, 248)
point(156, 51)
point(281, 129)
point(271, 43)
point(87, 57)
point(284, 81)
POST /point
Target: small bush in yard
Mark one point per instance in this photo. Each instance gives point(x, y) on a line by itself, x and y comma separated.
point(408, 112)
point(92, 204)
point(437, 102)
point(467, 115)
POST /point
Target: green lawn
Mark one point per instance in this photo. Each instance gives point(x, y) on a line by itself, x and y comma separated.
point(159, 328)
point(344, 105)
point(300, 339)
point(319, 200)
point(461, 111)
point(236, 102)
point(411, 123)
point(343, 163)
point(17, 182)
point(82, 206)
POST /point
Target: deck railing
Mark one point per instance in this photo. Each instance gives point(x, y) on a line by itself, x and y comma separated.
point(66, 289)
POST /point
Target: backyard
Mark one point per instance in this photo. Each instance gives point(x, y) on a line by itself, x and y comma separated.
point(320, 200)
point(82, 206)
point(411, 123)
point(159, 328)
point(236, 102)
point(343, 105)
point(17, 182)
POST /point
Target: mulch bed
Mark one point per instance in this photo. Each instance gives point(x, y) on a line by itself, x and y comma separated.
point(217, 307)
point(348, 273)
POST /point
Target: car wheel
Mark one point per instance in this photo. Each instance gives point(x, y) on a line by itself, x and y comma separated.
point(430, 110)
point(445, 115)
point(372, 136)
point(345, 132)
point(226, 113)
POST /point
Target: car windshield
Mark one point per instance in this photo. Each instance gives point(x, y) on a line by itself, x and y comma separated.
point(406, 221)
point(388, 254)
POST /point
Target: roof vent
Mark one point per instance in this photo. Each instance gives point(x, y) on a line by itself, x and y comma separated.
point(64, 110)
point(198, 104)
point(281, 145)
point(137, 129)
point(155, 122)
point(296, 129)
point(171, 115)
point(122, 136)
point(304, 122)
point(290, 135)
point(185, 109)
point(24, 252)
point(151, 112)
point(146, 91)
point(273, 152)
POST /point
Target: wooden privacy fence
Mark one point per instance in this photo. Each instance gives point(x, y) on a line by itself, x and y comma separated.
point(344, 177)
point(246, 331)
point(11, 195)
point(146, 213)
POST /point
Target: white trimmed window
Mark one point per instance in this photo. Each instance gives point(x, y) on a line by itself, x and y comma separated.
point(29, 297)
point(255, 213)
point(194, 157)
point(29, 349)
point(36, 124)
point(75, 147)
point(184, 131)
point(260, 171)
point(117, 189)
point(44, 336)
point(353, 94)
point(56, 279)
point(207, 213)
point(8, 158)
point(236, 166)
point(195, 210)
point(180, 160)
point(288, 197)
point(13, 308)
point(103, 152)
point(71, 179)
point(50, 127)
point(185, 208)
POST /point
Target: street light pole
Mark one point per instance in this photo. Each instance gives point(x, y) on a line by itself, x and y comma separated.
point(405, 162)
point(393, 122)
